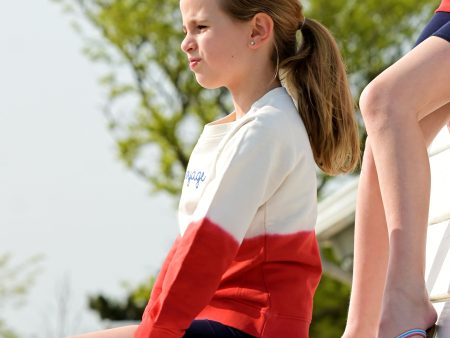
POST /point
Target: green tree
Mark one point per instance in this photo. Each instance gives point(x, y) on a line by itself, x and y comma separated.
point(15, 281)
point(139, 42)
point(371, 34)
point(130, 308)
point(330, 309)
point(156, 110)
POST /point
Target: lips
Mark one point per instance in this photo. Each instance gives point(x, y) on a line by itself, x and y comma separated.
point(193, 62)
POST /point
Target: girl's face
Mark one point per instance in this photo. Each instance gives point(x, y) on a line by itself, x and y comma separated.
point(216, 45)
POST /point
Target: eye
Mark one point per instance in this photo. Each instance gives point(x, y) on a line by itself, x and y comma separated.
point(201, 27)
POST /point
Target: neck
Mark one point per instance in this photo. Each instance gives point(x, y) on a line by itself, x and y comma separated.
point(257, 81)
point(244, 99)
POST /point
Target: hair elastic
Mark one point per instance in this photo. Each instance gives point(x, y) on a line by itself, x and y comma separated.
point(300, 27)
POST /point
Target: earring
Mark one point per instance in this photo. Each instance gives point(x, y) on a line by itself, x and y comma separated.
point(252, 43)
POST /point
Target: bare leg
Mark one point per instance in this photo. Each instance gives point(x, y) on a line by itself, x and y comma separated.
point(120, 332)
point(392, 105)
point(371, 237)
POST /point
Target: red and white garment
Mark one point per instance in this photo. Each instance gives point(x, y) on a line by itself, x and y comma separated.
point(247, 254)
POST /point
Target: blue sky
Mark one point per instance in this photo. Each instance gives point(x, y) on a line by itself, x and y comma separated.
point(63, 193)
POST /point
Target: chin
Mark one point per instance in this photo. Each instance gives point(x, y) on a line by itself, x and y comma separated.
point(207, 84)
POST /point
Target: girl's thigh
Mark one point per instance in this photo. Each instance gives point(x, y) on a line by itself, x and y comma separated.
point(210, 329)
point(121, 332)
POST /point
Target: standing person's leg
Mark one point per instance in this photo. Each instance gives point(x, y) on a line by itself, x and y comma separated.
point(369, 270)
point(392, 105)
point(370, 226)
point(371, 241)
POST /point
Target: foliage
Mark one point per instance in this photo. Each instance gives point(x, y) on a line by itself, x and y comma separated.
point(139, 43)
point(330, 309)
point(131, 308)
point(15, 281)
point(5, 332)
point(371, 34)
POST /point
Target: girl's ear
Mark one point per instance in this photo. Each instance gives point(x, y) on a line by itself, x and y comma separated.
point(262, 28)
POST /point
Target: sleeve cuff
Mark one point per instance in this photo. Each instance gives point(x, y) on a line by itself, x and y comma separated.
point(147, 330)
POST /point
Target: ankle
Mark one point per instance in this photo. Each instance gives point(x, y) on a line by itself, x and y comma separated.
point(403, 310)
point(358, 331)
point(415, 294)
point(359, 334)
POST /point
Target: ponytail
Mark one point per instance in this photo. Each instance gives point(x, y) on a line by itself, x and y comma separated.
point(316, 77)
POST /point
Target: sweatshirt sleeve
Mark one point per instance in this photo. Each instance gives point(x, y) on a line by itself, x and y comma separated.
point(251, 166)
point(157, 287)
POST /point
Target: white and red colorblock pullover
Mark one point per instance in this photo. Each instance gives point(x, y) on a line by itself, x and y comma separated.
point(247, 254)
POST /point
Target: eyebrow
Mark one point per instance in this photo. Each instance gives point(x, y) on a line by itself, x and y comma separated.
point(194, 22)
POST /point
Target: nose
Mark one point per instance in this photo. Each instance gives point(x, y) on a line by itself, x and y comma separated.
point(188, 44)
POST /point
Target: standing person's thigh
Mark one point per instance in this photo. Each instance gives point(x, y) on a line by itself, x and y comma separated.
point(434, 122)
point(431, 124)
point(205, 328)
point(437, 22)
point(120, 332)
point(418, 83)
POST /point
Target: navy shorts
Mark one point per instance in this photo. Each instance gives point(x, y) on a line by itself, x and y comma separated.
point(439, 25)
point(204, 328)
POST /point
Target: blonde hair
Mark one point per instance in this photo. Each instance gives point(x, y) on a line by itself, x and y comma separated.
point(313, 71)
